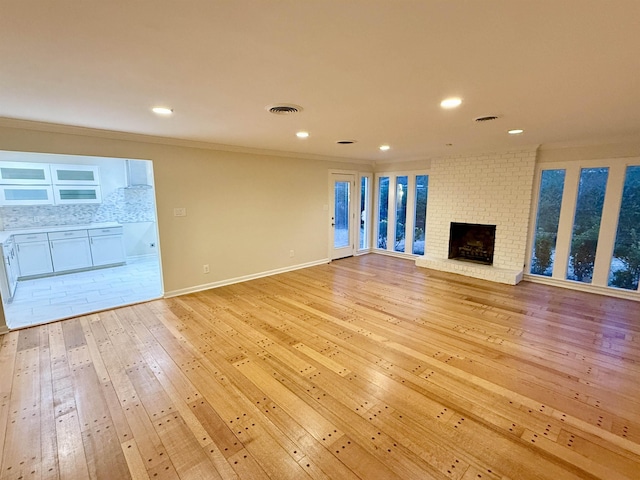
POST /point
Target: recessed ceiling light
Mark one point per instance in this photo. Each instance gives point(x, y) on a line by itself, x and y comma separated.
point(302, 134)
point(384, 148)
point(451, 102)
point(162, 110)
point(515, 131)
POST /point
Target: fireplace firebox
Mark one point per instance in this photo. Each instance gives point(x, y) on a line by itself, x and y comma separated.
point(472, 242)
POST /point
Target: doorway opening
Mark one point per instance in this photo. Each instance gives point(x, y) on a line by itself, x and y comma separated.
point(342, 232)
point(88, 243)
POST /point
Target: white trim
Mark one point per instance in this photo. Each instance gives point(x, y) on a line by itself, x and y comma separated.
point(353, 224)
point(140, 258)
point(393, 253)
point(244, 278)
point(583, 287)
point(368, 209)
point(171, 141)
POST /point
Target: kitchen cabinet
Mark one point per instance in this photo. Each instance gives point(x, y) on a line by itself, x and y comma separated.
point(44, 253)
point(107, 247)
point(26, 195)
point(9, 273)
point(34, 256)
point(13, 271)
point(70, 250)
point(23, 183)
point(75, 174)
point(77, 194)
point(24, 173)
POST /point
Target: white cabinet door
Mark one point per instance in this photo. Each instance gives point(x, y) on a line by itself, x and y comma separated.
point(77, 194)
point(23, 173)
point(12, 268)
point(107, 250)
point(75, 174)
point(34, 258)
point(26, 195)
point(70, 250)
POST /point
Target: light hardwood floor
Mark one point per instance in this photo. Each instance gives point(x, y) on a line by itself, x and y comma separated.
point(364, 368)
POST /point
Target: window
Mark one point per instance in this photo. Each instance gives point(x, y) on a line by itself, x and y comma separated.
point(383, 212)
point(586, 223)
point(401, 212)
point(546, 230)
point(341, 231)
point(364, 212)
point(402, 187)
point(625, 263)
point(420, 214)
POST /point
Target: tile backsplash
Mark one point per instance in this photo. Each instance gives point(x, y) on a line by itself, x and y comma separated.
point(124, 205)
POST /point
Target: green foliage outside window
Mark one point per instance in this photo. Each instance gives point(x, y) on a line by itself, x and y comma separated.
point(625, 265)
point(549, 202)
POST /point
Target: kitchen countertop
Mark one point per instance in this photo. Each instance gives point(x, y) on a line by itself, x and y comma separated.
point(4, 235)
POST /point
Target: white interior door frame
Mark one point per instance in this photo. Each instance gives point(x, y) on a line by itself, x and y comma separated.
point(342, 243)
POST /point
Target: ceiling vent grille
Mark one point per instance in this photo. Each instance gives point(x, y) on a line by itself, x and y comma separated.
point(345, 142)
point(283, 109)
point(486, 118)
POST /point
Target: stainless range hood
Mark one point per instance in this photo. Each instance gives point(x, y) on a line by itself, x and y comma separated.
point(139, 174)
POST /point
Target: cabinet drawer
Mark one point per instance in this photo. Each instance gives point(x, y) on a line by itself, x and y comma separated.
point(30, 237)
point(69, 234)
point(98, 232)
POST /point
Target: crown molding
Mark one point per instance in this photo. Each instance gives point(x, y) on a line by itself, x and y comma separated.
point(169, 141)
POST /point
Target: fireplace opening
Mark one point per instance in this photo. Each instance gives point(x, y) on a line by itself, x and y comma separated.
point(472, 242)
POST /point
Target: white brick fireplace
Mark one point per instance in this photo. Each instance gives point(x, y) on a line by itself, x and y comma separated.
point(491, 189)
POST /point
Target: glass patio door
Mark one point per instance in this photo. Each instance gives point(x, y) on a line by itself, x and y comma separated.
point(342, 215)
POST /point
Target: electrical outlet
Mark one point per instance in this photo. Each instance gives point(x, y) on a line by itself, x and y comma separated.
point(291, 253)
point(205, 268)
point(179, 212)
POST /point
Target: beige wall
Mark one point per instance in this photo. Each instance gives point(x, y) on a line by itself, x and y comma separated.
point(245, 212)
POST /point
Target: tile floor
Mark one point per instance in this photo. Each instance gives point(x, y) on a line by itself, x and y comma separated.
point(52, 298)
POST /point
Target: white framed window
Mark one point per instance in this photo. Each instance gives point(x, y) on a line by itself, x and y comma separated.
point(586, 223)
point(400, 212)
point(365, 197)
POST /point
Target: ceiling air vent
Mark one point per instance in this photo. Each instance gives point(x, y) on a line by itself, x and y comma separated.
point(345, 142)
point(283, 109)
point(486, 118)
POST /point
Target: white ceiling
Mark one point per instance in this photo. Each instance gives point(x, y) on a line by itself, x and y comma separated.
point(375, 71)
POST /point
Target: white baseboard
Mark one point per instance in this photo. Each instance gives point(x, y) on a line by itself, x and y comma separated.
point(391, 253)
point(140, 258)
point(245, 278)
